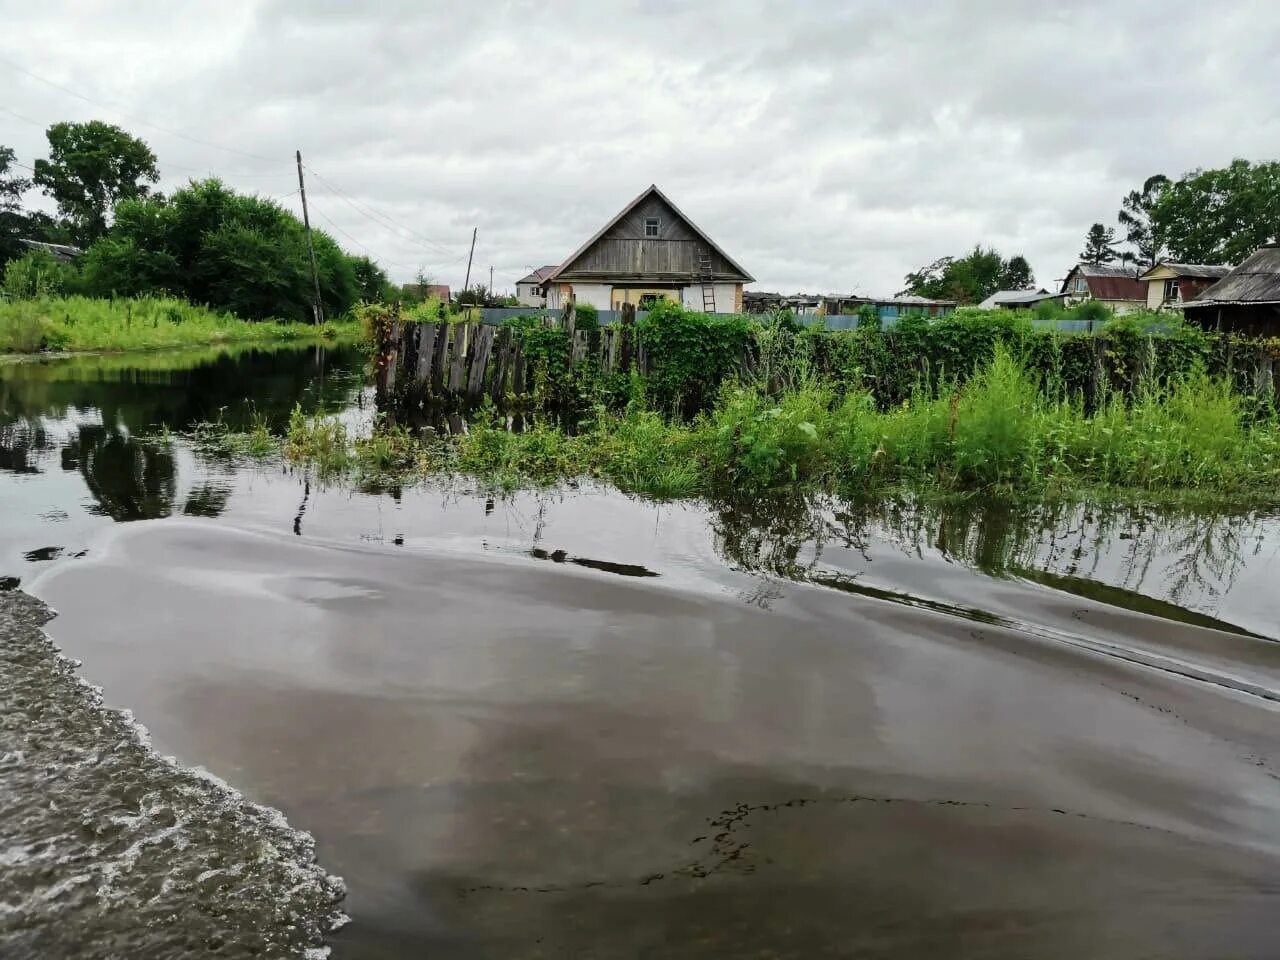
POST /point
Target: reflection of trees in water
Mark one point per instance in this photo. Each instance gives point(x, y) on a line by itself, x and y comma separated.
point(128, 479)
point(22, 446)
point(1185, 557)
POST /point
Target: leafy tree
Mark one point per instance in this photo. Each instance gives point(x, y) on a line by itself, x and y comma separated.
point(1017, 274)
point(372, 281)
point(91, 167)
point(969, 279)
point(1099, 245)
point(212, 245)
point(1220, 216)
point(12, 221)
point(1135, 216)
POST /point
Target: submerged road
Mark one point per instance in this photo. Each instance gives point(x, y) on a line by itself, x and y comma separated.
point(506, 757)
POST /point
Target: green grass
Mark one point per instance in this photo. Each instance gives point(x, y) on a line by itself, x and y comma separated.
point(146, 323)
point(1001, 431)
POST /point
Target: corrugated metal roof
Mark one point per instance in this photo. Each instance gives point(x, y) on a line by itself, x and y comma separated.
point(1106, 282)
point(1257, 280)
point(540, 274)
point(1105, 270)
point(1209, 271)
point(1016, 296)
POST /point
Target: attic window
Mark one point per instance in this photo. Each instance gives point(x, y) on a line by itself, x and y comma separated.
point(651, 225)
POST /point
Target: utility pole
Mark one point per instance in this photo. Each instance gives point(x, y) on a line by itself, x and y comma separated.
point(491, 279)
point(317, 311)
point(466, 284)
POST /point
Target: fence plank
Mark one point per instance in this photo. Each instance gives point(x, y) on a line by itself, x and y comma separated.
point(456, 366)
point(517, 369)
point(442, 353)
point(613, 350)
point(626, 330)
point(480, 361)
point(426, 354)
point(501, 343)
point(392, 355)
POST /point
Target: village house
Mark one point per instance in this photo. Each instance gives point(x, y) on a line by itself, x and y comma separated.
point(1246, 300)
point(531, 290)
point(1018, 299)
point(1116, 287)
point(1170, 285)
point(650, 251)
point(891, 308)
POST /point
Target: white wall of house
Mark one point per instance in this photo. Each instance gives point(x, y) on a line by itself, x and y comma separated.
point(527, 294)
point(596, 294)
point(726, 297)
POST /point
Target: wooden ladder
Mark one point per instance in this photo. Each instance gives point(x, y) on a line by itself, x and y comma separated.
point(708, 287)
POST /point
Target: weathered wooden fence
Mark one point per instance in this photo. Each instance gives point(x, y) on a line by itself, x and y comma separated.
point(432, 362)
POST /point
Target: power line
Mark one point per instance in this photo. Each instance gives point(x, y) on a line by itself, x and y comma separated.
point(380, 218)
point(165, 164)
point(135, 119)
point(371, 253)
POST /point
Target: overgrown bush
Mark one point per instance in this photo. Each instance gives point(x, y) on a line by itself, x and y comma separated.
point(35, 274)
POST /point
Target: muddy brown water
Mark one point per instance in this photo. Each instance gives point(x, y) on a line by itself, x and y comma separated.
point(577, 724)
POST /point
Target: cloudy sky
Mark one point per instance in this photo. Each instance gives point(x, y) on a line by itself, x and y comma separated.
point(828, 146)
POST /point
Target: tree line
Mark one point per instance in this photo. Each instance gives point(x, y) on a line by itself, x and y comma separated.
point(1216, 216)
point(204, 242)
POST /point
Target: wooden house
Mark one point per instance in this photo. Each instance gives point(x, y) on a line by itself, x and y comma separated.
point(1171, 285)
point(648, 252)
point(1117, 287)
point(1246, 300)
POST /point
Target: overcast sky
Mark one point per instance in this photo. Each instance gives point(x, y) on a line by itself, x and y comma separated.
point(828, 147)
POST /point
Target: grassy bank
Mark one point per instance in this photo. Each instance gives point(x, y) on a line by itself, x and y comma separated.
point(145, 323)
point(1003, 430)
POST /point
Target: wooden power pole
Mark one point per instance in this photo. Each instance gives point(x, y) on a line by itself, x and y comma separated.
point(491, 280)
point(466, 284)
point(317, 311)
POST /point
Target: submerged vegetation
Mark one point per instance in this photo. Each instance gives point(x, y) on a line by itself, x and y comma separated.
point(980, 402)
point(145, 323)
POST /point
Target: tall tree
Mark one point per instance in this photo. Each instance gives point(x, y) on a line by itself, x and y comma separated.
point(12, 222)
point(1220, 216)
point(1017, 274)
point(1135, 217)
point(1099, 245)
point(91, 166)
point(971, 278)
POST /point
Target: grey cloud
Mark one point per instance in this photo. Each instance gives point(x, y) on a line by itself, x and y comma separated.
point(828, 145)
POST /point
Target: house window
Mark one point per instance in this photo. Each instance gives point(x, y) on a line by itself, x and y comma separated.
point(648, 300)
point(1082, 285)
point(1170, 291)
point(651, 225)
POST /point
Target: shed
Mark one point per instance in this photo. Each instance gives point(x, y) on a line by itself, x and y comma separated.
point(1017, 299)
point(1246, 300)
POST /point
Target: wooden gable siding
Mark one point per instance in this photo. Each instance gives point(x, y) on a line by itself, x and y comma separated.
point(624, 253)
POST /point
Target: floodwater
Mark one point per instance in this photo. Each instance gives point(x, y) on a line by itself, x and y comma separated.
point(577, 724)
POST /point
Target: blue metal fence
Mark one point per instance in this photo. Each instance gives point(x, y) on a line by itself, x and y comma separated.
point(494, 316)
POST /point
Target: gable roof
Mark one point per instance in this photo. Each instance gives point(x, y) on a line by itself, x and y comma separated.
point(1106, 282)
point(1204, 271)
point(539, 275)
point(1016, 296)
point(645, 194)
point(1257, 280)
